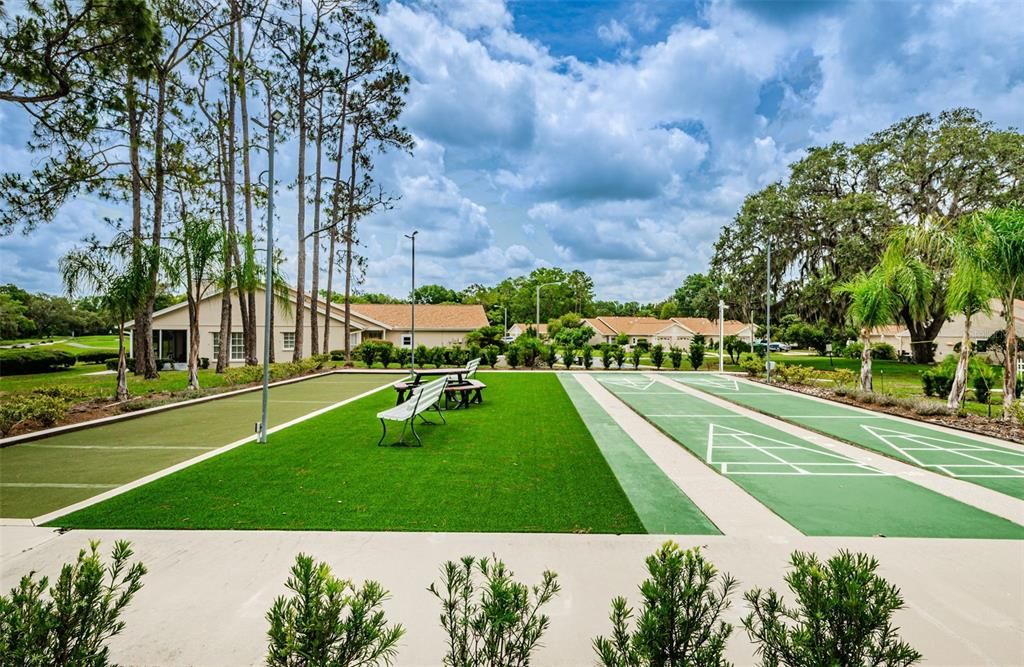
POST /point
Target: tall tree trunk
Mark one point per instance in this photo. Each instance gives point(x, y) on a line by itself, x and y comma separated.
point(224, 351)
point(329, 295)
point(134, 142)
point(300, 278)
point(922, 336)
point(959, 387)
point(314, 325)
point(230, 186)
point(1010, 368)
point(121, 394)
point(335, 216)
point(866, 382)
point(249, 269)
point(147, 362)
point(349, 241)
point(193, 341)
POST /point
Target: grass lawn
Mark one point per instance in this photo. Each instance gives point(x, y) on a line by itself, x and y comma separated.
point(79, 344)
point(95, 386)
point(522, 461)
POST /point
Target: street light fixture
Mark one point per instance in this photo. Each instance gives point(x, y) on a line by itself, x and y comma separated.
point(412, 294)
point(557, 282)
point(768, 314)
point(268, 334)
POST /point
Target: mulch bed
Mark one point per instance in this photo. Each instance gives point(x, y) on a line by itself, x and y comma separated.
point(967, 422)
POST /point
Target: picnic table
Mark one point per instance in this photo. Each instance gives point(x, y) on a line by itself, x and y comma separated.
point(460, 385)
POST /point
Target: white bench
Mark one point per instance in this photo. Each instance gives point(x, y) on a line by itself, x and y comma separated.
point(424, 398)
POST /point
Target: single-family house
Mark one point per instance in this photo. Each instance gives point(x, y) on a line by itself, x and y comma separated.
point(952, 332)
point(436, 325)
point(519, 329)
point(674, 332)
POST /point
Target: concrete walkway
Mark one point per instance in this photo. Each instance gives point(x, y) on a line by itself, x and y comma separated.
point(978, 496)
point(206, 594)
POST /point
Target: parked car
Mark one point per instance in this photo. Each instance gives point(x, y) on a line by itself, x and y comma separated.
point(779, 347)
point(508, 339)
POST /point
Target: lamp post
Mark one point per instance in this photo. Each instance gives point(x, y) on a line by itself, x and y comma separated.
point(412, 337)
point(268, 289)
point(721, 336)
point(768, 315)
point(557, 282)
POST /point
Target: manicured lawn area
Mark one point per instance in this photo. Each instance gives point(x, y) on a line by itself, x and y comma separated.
point(79, 376)
point(522, 461)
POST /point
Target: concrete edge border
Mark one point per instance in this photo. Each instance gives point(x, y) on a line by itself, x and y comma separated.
point(107, 495)
point(68, 428)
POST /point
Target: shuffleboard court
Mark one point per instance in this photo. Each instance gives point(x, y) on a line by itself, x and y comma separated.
point(40, 476)
point(818, 491)
point(960, 456)
point(661, 505)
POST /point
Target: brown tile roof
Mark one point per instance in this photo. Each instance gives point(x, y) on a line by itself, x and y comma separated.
point(599, 326)
point(703, 325)
point(650, 326)
point(635, 326)
point(428, 316)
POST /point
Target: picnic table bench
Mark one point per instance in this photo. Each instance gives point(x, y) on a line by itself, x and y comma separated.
point(425, 398)
point(462, 389)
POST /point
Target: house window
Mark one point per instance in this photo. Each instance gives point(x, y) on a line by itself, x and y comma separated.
point(237, 345)
point(407, 340)
point(289, 340)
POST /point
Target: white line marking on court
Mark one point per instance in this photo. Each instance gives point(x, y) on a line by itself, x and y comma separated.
point(47, 485)
point(35, 446)
point(898, 440)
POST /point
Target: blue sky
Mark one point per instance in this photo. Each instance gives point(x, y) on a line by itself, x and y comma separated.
point(617, 136)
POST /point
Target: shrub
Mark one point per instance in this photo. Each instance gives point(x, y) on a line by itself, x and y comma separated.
point(643, 344)
point(497, 624)
point(367, 352)
point(21, 361)
point(752, 363)
point(82, 613)
point(794, 373)
point(512, 356)
point(568, 356)
point(658, 355)
point(98, 357)
point(587, 356)
point(47, 410)
point(491, 354)
point(337, 355)
point(843, 616)
point(679, 623)
point(63, 391)
point(438, 356)
point(982, 388)
point(883, 351)
point(244, 374)
point(164, 364)
point(1016, 411)
point(634, 356)
point(675, 357)
point(622, 339)
point(328, 621)
point(422, 356)
point(551, 356)
point(843, 377)
point(386, 353)
point(853, 350)
point(11, 412)
point(620, 356)
point(402, 355)
point(204, 362)
point(531, 349)
point(696, 351)
point(606, 356)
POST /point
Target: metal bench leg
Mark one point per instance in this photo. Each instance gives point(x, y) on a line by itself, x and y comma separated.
point(384, 434)
point(412, 424)
point(437, 407)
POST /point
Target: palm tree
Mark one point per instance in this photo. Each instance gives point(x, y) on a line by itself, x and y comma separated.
point(873, 303)
point(968, 293)
point(994, 245)
point(121, 284)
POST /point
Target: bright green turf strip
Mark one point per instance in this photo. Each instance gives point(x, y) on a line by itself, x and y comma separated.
point(64, 458)
point(814, 504)
point(662, 507)
point(846, 424)
point(522, 461)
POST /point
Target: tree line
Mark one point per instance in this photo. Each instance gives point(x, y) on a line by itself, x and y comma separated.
point(165, 107)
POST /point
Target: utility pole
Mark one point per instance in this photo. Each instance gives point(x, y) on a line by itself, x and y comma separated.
point(268, 288)
point(721, 335)
point(412, 337)
point(768, 315)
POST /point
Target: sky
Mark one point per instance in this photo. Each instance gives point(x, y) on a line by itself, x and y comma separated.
point(613, 136)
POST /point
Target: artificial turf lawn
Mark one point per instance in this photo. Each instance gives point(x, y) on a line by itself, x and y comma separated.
point(815, 504)
point(123, 451)
point(845, 423)
point(521, 461)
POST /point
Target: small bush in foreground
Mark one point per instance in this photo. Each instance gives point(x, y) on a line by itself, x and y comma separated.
point(658, 355)
point(675, 356)
point(587, 357)
point(1016, 411)
point(634, 356)
point(498, 624)
point(679, 623)
point(620, 356)
point(83, 612)
point(842, 617)
point(695, 353)
point(328, 621)
point(607, 353)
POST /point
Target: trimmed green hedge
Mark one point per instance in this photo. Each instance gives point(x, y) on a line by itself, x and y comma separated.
point(34, 360)
point(92, 357)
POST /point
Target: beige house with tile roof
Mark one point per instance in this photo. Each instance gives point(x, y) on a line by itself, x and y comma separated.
point(436, 325)
point(519, 329)
point(951, 333)
point(674, 332)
